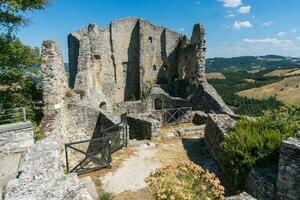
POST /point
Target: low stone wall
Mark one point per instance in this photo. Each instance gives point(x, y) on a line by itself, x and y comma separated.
point(15, 139)
point(42, 175)
point(216, 128)
point(261, 183)
point(142, 127)
point(288, 182)
point(200, 117)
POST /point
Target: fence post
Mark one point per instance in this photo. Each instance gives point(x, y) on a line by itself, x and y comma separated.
point(109, 153)
point(24, 114)
point(67, 159)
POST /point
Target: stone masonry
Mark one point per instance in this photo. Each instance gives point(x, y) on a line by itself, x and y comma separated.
point(15, 139)
point(288, 181)
point(129, 66)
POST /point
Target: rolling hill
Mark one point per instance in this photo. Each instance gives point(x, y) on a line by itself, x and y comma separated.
point(286, 90)
point(250, 63)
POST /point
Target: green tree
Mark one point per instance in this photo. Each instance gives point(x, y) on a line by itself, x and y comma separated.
point(19, 63)
point(13, 12)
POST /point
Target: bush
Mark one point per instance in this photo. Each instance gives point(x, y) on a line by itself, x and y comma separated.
point(257, 140)
point(106, 196)
point(184, 181)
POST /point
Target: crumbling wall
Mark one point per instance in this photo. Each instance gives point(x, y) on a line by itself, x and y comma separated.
point(288, 181)
point(125, 48)
point(216, 129)
point(15, 139)
point(54, 77)
point(143, 127)
point(42, 175)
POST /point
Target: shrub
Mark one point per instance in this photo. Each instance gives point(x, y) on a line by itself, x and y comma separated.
point(257, 140)
point(106, 196)
point(38, 134)
point(184, 181)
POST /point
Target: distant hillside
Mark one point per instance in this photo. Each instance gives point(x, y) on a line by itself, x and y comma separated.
point(251, 63)
point(287, 91)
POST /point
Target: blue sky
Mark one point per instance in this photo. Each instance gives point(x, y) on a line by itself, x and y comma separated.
point(234, 27)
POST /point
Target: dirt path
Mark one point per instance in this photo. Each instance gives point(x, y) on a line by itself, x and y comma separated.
point(131, 175)
point(133, 164)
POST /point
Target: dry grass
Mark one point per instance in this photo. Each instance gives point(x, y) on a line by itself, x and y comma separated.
point(170, 127)
point(143, 194)
point(287, 91)
point(281, 72)
point(215, 75)
point(293, 73)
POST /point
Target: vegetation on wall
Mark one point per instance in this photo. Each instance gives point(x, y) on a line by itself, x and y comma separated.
point(258, 140)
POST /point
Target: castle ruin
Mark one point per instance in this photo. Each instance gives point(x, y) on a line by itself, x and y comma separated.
point(131, 66)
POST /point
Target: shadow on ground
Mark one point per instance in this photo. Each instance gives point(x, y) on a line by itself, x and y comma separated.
point(197, 152)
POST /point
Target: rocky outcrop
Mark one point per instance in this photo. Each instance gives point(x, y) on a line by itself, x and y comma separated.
point(241, 196)
point(288, 182)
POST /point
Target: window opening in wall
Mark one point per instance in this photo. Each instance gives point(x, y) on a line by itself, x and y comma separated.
point(157, 104)
point(150, 39)
point(165, 68)
point(103, 105)
point(154, 67)
point(125, 66)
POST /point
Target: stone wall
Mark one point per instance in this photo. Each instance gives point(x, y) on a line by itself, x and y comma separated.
point(261, 182)
point(42, 176)
point(216, 129)
point(143, 127)
point(288, 182)
point(54, 77)
point(15, 139)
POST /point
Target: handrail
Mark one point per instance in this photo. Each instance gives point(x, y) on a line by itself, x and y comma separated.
point(12, 115)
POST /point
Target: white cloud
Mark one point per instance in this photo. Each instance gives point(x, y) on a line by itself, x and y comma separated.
point(255, 47)
point(269, 23)
point(281, 34)
point(239, 25)
point(244, 9)
point(230, 15)
point(268, 41)
point(231, 3)
point(294, 30)
point(197, 2)
point(298, 38)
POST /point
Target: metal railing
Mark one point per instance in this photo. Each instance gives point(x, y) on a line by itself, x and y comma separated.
point(13, 115)
point(176, 115)
point(96, 153)
point(118, 135)
point(91, 155)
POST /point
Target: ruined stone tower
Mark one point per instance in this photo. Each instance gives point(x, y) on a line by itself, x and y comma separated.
point(130, 66)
